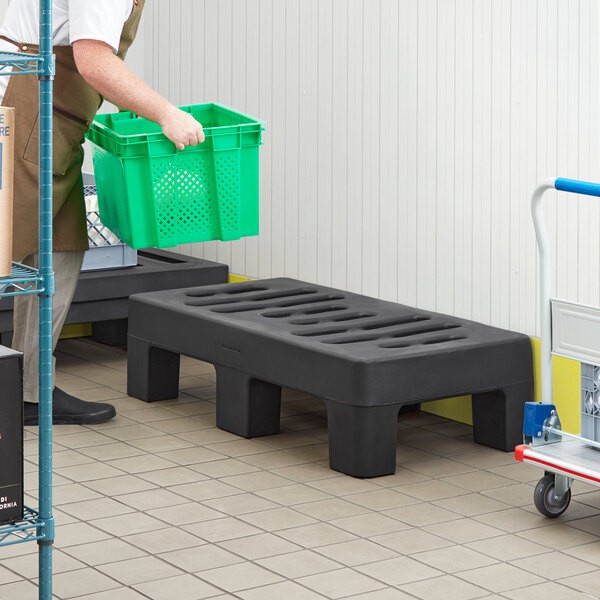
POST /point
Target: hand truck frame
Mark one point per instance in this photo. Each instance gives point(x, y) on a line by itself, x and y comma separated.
point(573, 331)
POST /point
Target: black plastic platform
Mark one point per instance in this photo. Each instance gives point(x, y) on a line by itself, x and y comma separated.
point(102, 297)
point(366, 358)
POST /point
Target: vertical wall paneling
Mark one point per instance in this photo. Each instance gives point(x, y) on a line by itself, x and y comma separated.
point(267, 106)
point(482, 162)
point(544, 81)
point(358, 142)
point(248, 85)
point(426, 153)
point(324, 144)
point(343, 134)
point(182, 65)
point(373, 122)
point(550, 83)
point(500, 163)
point(403, 140)
point(529, 109)
point(583, 119)
point(408, 137)
point(208, 50)
point(463, 165)
point(588, 131)
point(223, 63)
point(278, 138)
point(241, 49)
point(479, 141)
point(517, 141)
point(388, 171)
point(445, 156)
point(568, 206)
point(308, 111)
point(196, 76)
point(293, 125)
point(588, 213)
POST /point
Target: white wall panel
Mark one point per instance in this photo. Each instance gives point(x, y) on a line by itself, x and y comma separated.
point(462, 160)
point(403, 139)
point(360, 130)
point(408, 137)
point(445, 153)
point(389, 151)
point(326, 214)
point(343, 134)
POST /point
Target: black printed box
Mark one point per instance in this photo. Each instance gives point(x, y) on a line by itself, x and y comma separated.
point(11, 435)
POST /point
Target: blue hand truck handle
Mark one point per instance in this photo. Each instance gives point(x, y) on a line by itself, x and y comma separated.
point(577, 187)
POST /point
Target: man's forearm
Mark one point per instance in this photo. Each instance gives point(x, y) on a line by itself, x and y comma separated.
point(112, 78)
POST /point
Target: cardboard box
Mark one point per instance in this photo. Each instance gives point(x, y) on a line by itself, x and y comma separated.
point(7, 146)
point(11, 435)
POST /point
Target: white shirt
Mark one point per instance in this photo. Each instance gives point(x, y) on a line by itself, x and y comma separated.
point(73, 20)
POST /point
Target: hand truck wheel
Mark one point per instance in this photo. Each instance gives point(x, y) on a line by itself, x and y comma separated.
point(545, 499)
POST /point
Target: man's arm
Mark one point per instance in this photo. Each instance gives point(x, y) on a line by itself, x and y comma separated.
point(109, 75)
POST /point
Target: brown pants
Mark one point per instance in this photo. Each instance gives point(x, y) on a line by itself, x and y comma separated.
point(67, 266)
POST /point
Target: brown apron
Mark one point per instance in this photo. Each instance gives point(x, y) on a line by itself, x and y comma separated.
point(75, 104)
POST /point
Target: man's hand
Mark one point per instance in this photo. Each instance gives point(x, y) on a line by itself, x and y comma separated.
point(109, 76)
point(181, 128)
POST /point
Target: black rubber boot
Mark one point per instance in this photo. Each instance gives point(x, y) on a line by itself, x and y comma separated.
point(68, 410)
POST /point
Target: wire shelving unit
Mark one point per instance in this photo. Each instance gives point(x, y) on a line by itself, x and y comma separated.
point(38, 524)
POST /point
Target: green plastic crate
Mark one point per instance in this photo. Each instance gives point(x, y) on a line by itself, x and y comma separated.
point(152, 195)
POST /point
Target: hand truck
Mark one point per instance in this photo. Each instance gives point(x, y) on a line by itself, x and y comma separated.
point(573, 331)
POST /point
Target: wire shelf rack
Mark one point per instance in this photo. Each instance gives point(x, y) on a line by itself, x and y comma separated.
point(22, 280)
point(38, 525)
point(24, 530)
point(19, 61)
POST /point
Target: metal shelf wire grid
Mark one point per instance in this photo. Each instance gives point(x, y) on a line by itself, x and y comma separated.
point(12, 63)
point(21, 531)
point(23, 280)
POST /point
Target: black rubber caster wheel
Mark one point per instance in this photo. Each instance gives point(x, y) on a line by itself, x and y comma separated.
point(544, 499)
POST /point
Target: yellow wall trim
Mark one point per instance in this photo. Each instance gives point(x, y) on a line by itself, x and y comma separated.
point(76, 330)
point(567, 389)
point(237, 278)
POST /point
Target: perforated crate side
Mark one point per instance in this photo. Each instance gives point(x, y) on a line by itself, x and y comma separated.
point(109, 172)
point(227, 175)
point(185, 198)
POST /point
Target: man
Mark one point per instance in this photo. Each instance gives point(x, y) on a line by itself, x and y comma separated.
point(90, 41)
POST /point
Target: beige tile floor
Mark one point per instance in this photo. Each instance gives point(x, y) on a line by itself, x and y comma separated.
point(160, 504)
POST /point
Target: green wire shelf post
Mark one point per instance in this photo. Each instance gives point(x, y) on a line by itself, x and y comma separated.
point(46, 76)
point(39, 525)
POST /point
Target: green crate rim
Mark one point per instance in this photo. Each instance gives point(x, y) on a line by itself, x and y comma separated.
point(141, 138)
